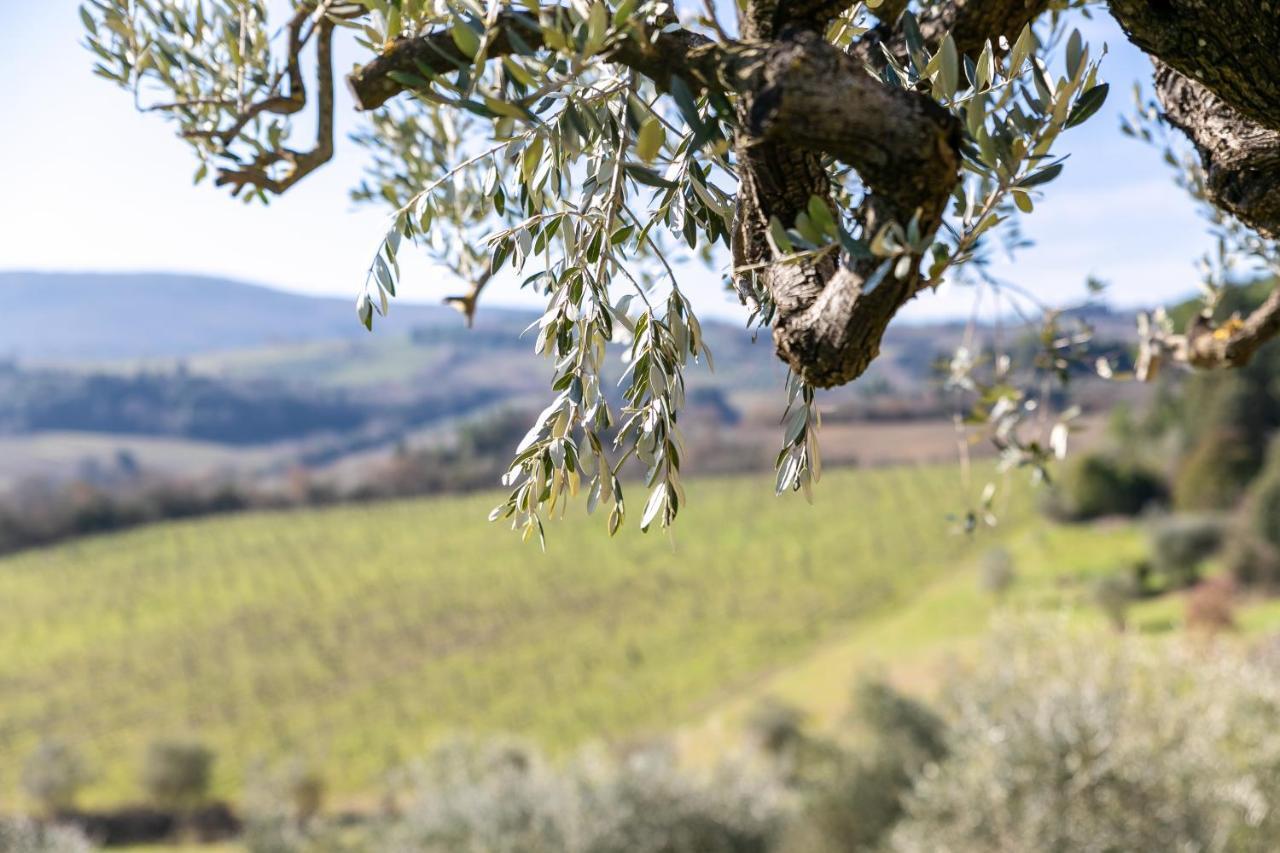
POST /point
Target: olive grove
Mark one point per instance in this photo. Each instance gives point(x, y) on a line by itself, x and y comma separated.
point(845, 157)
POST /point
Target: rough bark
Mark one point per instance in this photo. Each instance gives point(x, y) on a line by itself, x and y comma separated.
point(1218, 80)
point(1230, 46)
point(1241, 159)
point(374, 83)
point(973, 22)
point(1207, 347)
point(656, 55)
point(903, 146)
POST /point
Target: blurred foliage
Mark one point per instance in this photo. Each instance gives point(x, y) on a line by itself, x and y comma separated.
point(1096, 485)
point(1220, 422)
point(504, 797)
point(1057, 742)
point(1114, 595)
point(177, 773)
point(1216, 471)
point(53, 775)
point(1253, 556)
point(997, 572)
point(21, 835)
point(1210, 606)
point(1180, 544)
point(1051, 740)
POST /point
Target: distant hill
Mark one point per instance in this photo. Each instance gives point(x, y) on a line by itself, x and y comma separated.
point(129, 360)
point(95, 316)
point(92, 317)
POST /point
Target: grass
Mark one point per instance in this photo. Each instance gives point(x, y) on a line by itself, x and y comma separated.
point(357, 636)
point(182, 848)
point(915, 643)
point(947, 624)
point(63, 453)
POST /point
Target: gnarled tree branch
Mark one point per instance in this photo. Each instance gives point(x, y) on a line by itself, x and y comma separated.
point(1232, 345)
point(814, 99)
point(287, 104)
point(374, 83)
point(656, 55)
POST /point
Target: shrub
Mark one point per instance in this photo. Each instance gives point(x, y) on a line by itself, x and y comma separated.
point(998, 574)
point(855, 808)
point(1210, 606)
point(1252, 563)
point(1098, 485)
point(53, 775)
point(1114, 594)
point(177, 773)
point(1181, 543)
point(646, 805)
point(20, 835)
point(304, 787)
point(1216, 472)
point(895, 718)
point(503, 799)
point(854, 805)
point(290, 793)
point(775, 727)
point(1059, 744)
point(1253, 555)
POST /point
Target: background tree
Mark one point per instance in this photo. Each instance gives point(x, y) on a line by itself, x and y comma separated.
point(53, 775)
point(848, 156)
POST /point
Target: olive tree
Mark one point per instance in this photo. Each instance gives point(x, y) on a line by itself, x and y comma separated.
point(847, 157)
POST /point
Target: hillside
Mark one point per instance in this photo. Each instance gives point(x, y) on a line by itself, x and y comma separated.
point(114, 364)
point(150, 320)
point(88, 316)
point(357, 635)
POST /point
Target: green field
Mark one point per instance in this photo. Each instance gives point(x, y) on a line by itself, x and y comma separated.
point(355, 636)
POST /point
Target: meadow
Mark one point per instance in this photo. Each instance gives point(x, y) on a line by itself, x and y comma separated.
point(356, 636)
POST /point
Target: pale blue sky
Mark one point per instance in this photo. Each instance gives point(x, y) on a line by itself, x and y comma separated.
point(88, 184)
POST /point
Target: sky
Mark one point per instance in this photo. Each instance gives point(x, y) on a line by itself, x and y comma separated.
point(89, 184)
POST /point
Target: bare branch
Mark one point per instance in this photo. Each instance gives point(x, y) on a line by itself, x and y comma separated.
point(1234, 343)
point(465, 303)
point(288, 104)
point(300, 164)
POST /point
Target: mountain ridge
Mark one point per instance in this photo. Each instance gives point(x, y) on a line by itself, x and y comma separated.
point(107, 315)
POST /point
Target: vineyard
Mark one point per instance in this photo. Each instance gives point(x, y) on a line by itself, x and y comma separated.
point(355, 636)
